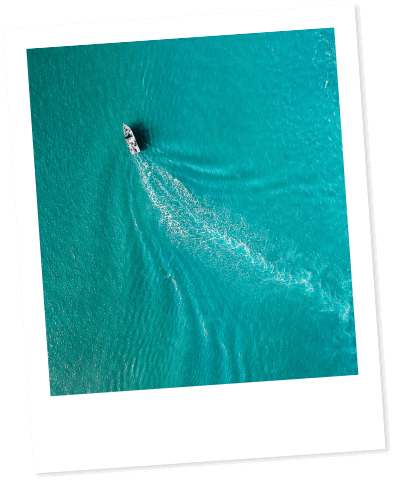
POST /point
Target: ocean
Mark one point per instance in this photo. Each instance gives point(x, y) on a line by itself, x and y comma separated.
point(218, 254)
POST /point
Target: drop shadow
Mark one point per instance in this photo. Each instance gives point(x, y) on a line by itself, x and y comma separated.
point(142, 135)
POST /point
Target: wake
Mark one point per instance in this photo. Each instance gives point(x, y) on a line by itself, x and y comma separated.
point(224, 241)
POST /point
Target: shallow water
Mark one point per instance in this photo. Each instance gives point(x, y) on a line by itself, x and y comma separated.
point(219, 253)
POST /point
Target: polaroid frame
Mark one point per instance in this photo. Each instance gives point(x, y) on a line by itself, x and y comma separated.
point(207, 423)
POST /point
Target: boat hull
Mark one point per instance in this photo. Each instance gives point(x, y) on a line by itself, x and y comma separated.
point(130, 140)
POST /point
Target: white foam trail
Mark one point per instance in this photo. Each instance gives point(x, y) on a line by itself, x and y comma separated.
point(218, 239)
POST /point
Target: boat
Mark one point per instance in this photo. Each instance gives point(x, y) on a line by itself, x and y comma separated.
point(130, 140)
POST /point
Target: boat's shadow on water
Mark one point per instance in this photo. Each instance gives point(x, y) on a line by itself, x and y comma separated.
point(142, 135)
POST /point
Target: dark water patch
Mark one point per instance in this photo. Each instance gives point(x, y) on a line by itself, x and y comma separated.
point(142, 134)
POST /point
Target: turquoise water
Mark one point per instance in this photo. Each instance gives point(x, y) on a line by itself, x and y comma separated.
point(220, 253)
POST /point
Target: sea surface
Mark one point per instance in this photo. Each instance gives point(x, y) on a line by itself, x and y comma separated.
point(220, 253)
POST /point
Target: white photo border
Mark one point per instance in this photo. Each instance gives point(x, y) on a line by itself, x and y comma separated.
point(209, 423)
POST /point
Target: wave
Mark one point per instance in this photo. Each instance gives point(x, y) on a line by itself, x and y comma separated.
point(225, 242)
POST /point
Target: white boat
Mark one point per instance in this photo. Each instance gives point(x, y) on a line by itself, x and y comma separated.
point(130, 140)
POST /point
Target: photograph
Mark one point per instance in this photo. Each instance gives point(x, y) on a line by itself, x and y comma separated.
point(193, 282)
point(212, 246)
